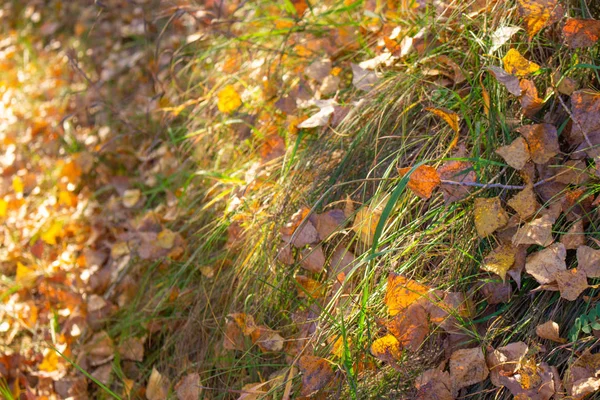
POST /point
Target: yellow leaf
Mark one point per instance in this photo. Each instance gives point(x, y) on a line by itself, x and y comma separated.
point(55, 231)
point(516, 64)
point(500, 260)
point(450, 117)
point(365, 224)
point(131, 197)
point(50, 362)
point(402, 292)
point(25, 275)
point(17, 184)
point(387, 349)
point(166, 239)
point(489, 216)
point(539, 13)
point(3, 207)
point(229, 100)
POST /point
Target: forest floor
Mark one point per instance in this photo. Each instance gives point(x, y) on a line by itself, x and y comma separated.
point(293, 199)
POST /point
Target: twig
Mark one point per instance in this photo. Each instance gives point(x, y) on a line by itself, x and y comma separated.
point(496, 185)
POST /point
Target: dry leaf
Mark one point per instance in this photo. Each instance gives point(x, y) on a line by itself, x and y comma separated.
point(565, 85)
point(316, 374)
point(575, 236)
point(158, 386)
point(585, 107)
point(456, 171)
point(365, 224)
point(402, 292)
point(510, 82)
point(309, 287)
point(434, 384)
point(25, 276)
point(410, 327)
point(319, 69)
point(132, 349)
point(252, 391)
point(581, 32)
point(525, 203)
point(267, 339)
point(545, 264)
point(588, 260)
point(539, 14)
point(496, 292)
point(450, 117)
point(505, 361)
point(500, 260)
point(515, 64)
point(188, 388)
point(489, 216)
point(549, 330)
point(228, 100)
point(131, 197)
point(515, 154)
point(387, 349)
point(571, 283)
point(542, 140)
point(467, 367)
point(329, 222)
point(423, 180)
point(299, 230)
point(313, 259)
point(538, 231)
point(502, 35)
point(363, 79)
point(530, 102)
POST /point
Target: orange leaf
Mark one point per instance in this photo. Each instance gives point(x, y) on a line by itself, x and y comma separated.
point(538, 14)
point(316, 374)
point(581, 32)
point(402, 292)
point(387, 349)
point(422, 181)
point(450, 117)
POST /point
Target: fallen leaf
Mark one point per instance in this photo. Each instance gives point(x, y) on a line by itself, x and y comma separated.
point(537, 231)
point(450, 117)
point(575, 236)
point(500, 260)
point(309, 287)
point(410, 327)
point(17, 184)
point(423, 180)
point(267, 339)
point(510, 82)
point(564, 84)
point(456, 171)
point(387, 349)
point(329, 222)
point(228, 100)
point(502, 35)
point(25, 276)
point(582, 375)
point(321, 118)
point(581, 32)
point(434, 384)
point(132, 349)
point(313, 259)
point(571, 283)
point(300, 231)
point(572, 172)
point(515, 64)
point(365, 224)
point(319, 69)
point(545, 264)
point(525, 203)
point(515, 154)
point(585, 107)
point(505, 361)
point(542, 140)
point(188, 388)
point(467, 367)
point(530, 102)
point(496, 292)
point(316, 374)
point(158, 386)
point(588, 260)
point(538, 14)
point(131, 197)
point(363, 79)
point(252, 391)
point(402, 292)
point(166, 239)
point(549, 330)
point(489, 216)
point(54, 232)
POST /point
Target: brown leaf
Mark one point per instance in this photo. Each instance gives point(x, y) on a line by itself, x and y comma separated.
point(158, 386)
point(549, 330)
point(516, 64)
point(188, 388)
point(456, 171)
point(575, 236)
point(313, 259)
point(316, 374)
point(496, 292)
point(467, 367)
point(489, 216)
point(515, 154)
point(300, 231)
point(434, 384)
point(505, 361)
point(267, 339)
point(402, 292)
point(309, 287)
point(545, 264)
point(581, 32)
point(132, 349)
point(538, 14)
point(571, 283)
point(542, 140)
point(582, 376)
point(450, 117)
point(525, 203)
point(387, 349)
point(500, 260)
point(410, 327)
point(538, 231)
point(530, 102)
point(423, 180)
point(573, 172)
point(510, 82)
point(329, 222)
point(447, 312)
point(585, 107)
point(588, 260)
